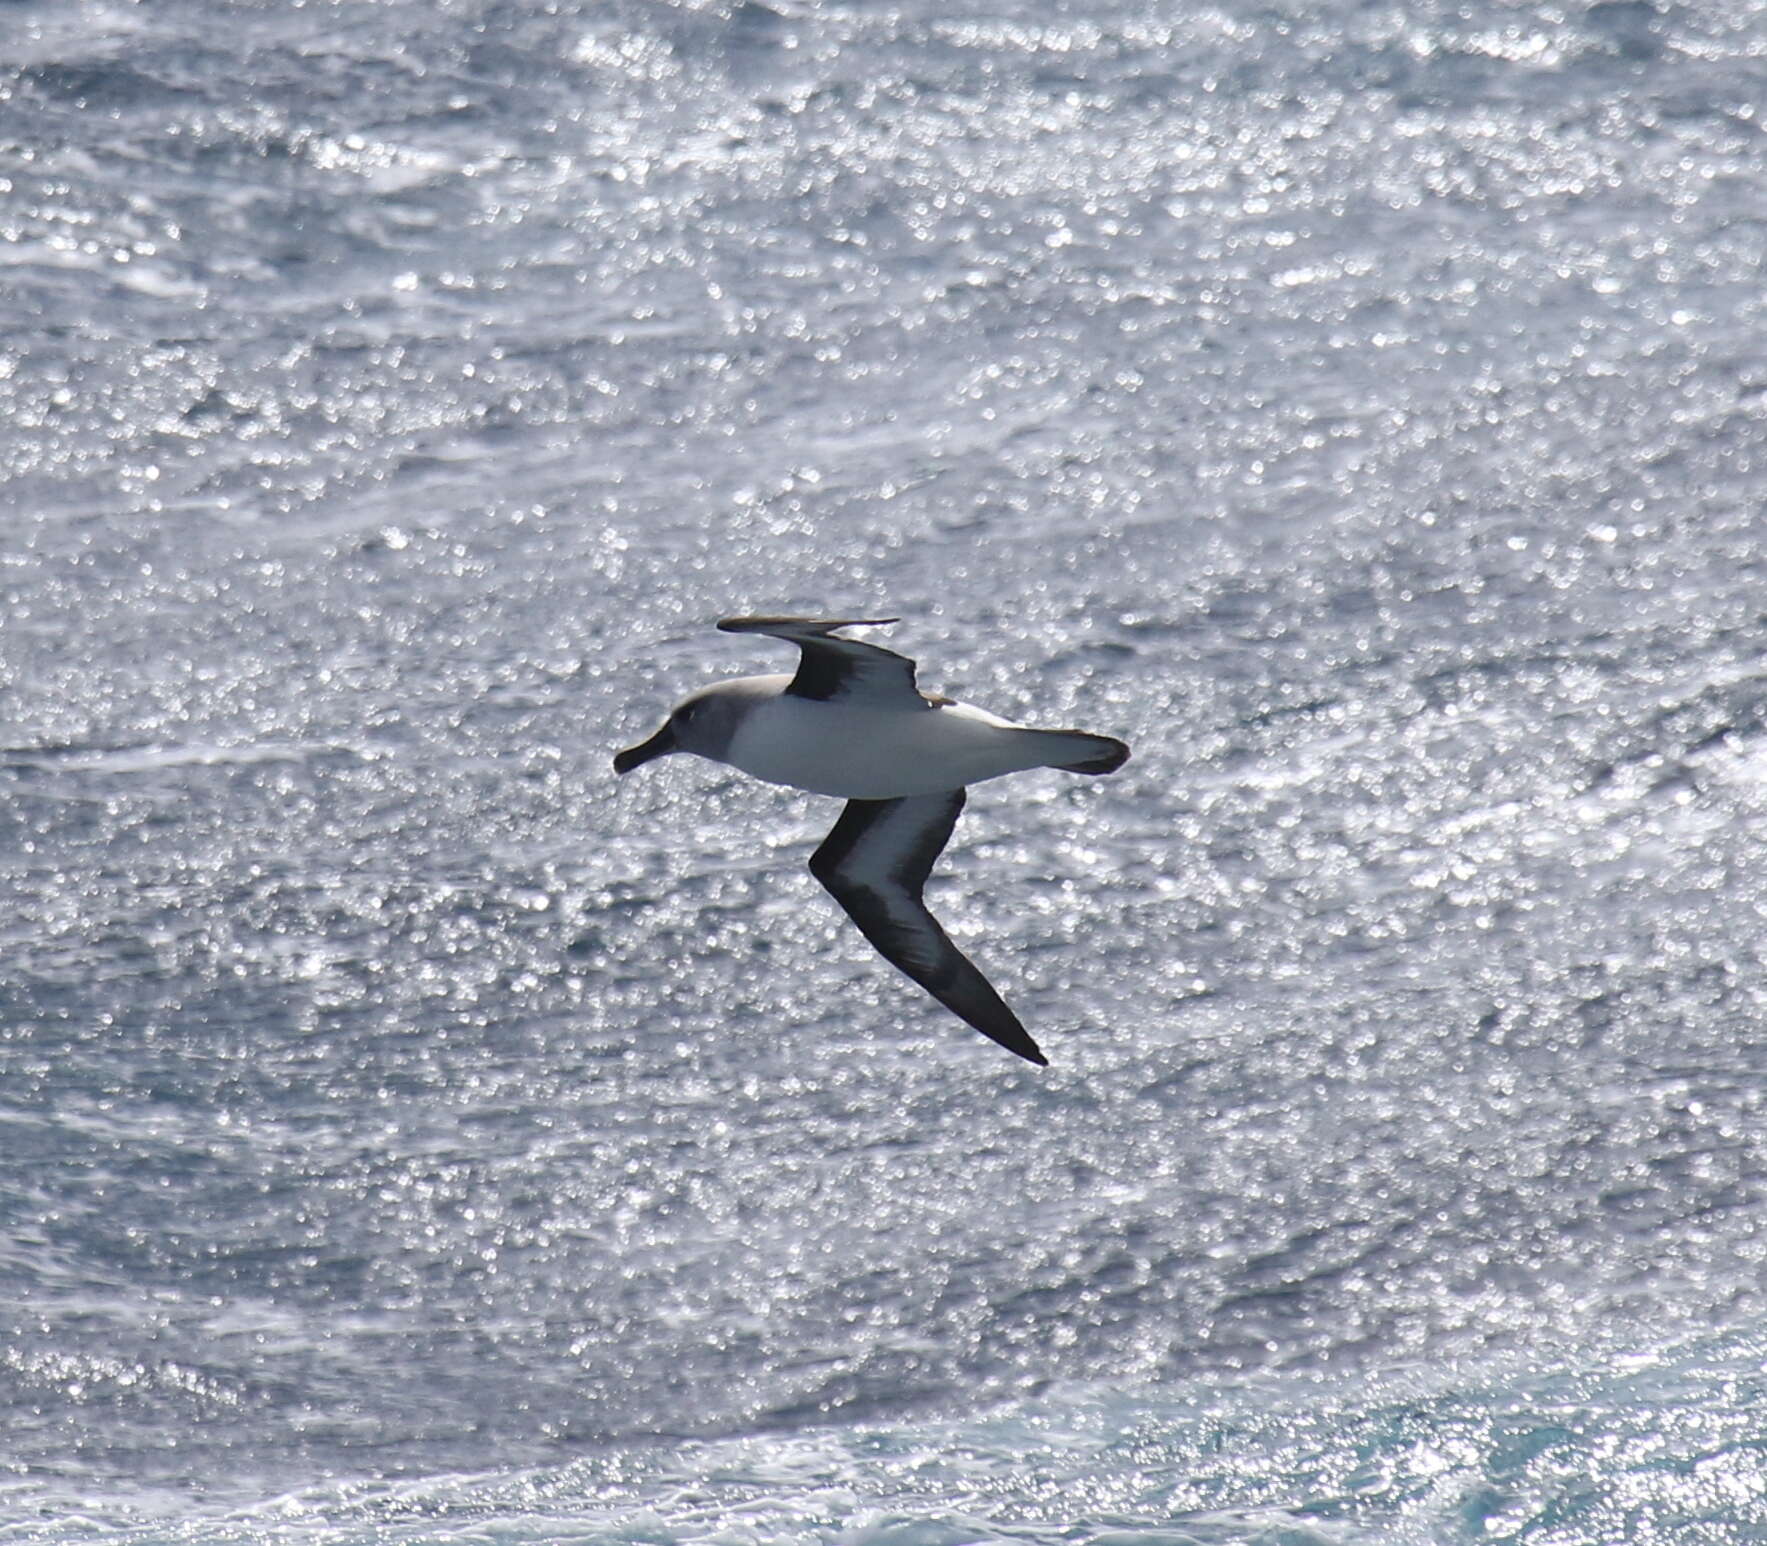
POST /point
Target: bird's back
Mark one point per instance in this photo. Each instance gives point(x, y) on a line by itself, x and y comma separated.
point(856, 751)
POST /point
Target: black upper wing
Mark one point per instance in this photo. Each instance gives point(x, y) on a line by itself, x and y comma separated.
point(838, 668)
point(874, 863)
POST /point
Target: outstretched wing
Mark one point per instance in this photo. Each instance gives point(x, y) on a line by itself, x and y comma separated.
point(875, 863)
point(839, 668)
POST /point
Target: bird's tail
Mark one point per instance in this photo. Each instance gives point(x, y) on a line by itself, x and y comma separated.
point(1078, 751)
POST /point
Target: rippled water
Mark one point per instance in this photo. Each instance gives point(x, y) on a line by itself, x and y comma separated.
point(409, 1133)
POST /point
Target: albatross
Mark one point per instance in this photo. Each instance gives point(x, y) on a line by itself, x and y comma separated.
point(851, 723)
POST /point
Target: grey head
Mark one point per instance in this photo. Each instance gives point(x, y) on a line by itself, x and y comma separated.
point(703, 723)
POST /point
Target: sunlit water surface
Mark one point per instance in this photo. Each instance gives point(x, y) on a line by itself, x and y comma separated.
point(408, 1133)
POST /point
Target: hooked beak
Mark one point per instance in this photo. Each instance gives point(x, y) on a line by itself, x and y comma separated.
point(659, 745)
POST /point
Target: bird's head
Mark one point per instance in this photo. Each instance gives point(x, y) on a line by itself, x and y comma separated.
point(703, 724)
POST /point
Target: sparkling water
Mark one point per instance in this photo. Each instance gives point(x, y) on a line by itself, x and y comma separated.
point(410, 1133)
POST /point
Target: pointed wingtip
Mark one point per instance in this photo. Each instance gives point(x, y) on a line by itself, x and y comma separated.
point(1012, 1036)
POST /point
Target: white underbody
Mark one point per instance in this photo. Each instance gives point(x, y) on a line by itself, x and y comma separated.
point(855, 750)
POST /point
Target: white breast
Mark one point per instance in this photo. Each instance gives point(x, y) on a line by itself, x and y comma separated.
point(865, 753)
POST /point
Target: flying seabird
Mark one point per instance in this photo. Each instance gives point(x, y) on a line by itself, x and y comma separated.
point(851, 723)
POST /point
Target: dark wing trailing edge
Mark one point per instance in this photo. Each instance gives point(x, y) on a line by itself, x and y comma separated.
point(834, 667)
point(874, 863)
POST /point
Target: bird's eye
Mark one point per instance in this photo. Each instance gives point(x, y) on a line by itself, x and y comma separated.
point(682, 715)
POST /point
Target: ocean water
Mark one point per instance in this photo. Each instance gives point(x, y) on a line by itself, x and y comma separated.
point(410, 1133)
